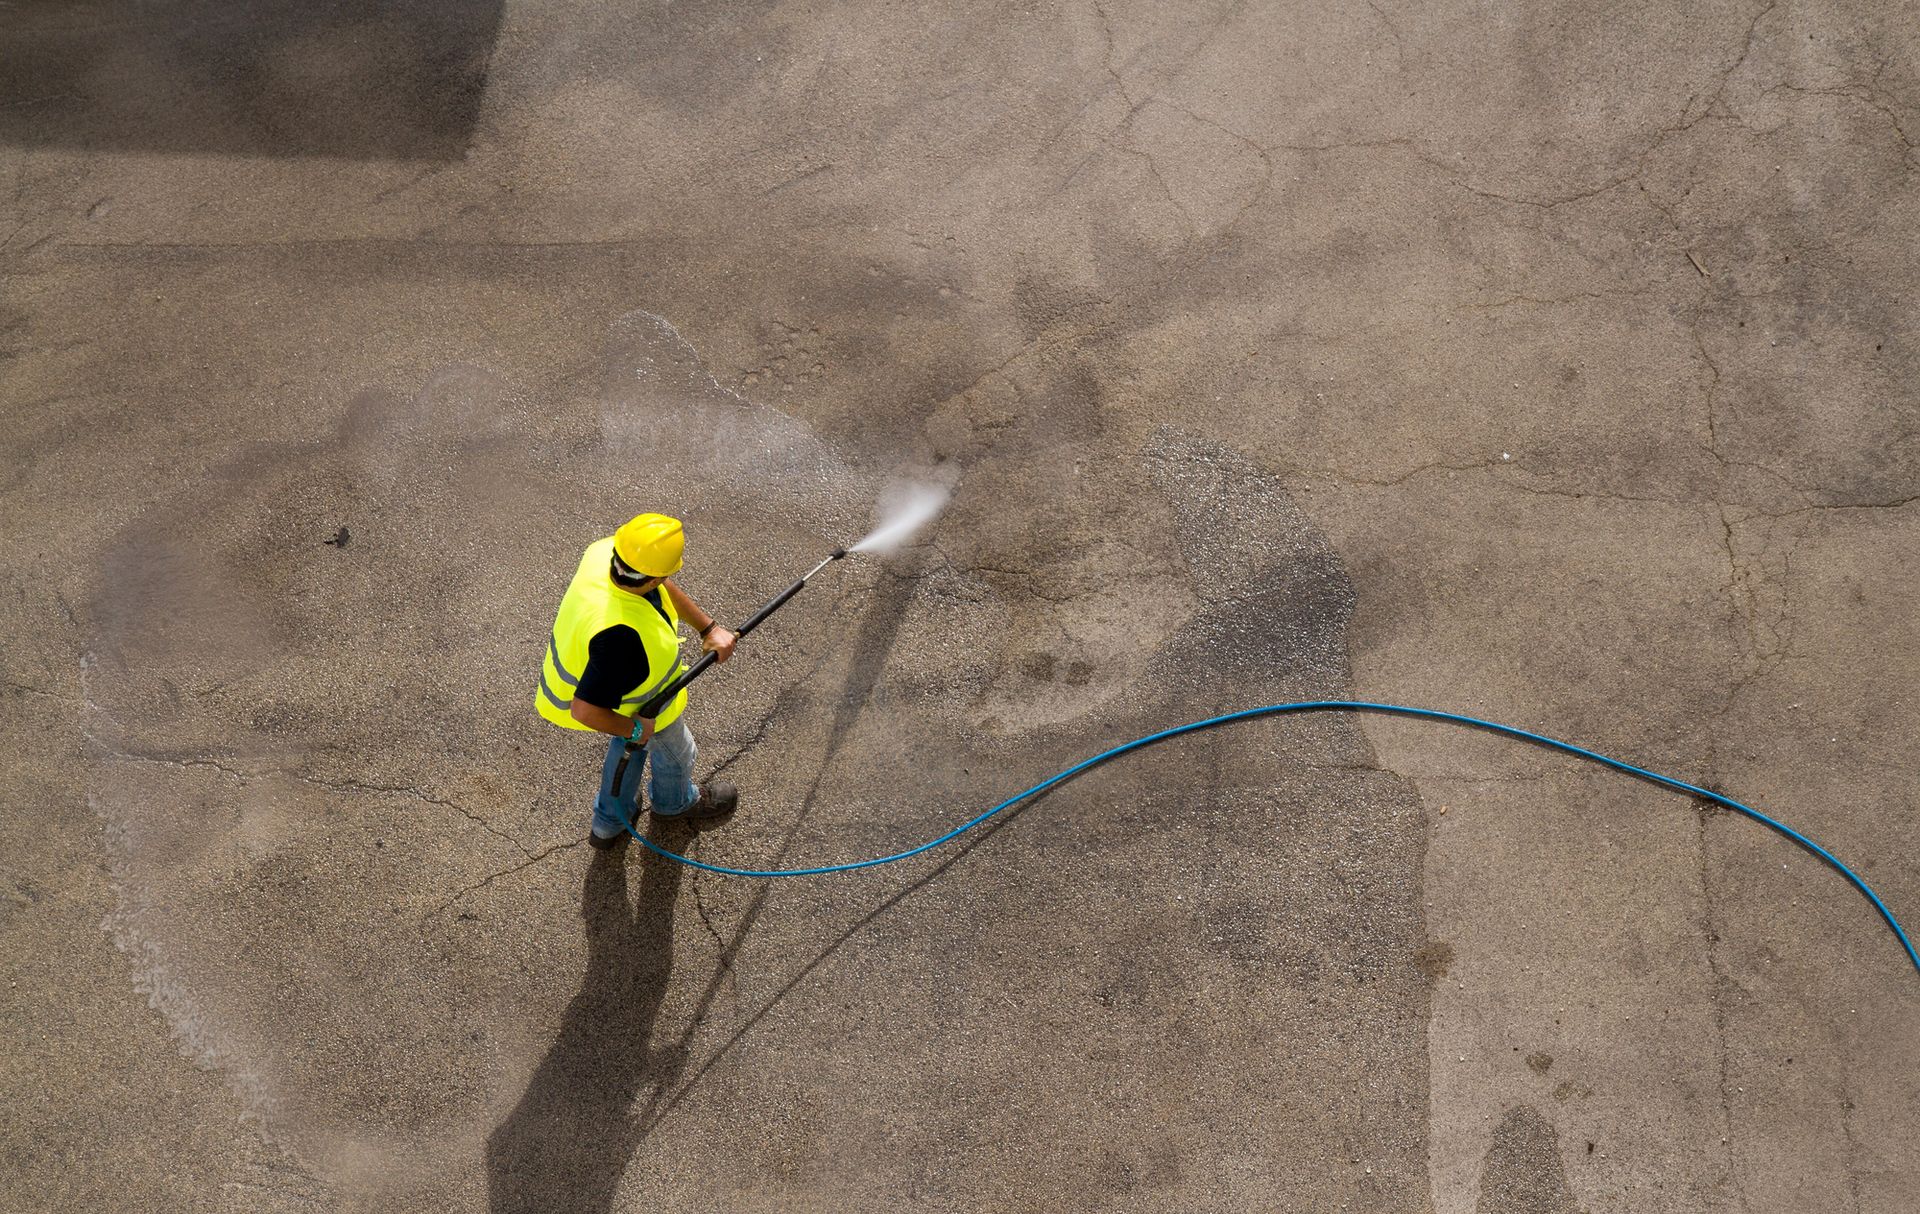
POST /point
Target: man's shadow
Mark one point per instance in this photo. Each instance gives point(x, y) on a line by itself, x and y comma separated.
point(565, 1146)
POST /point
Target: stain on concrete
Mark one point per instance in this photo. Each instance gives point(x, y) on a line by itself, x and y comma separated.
point(274, 78)
point(1523, 1173)
point(1434, 959)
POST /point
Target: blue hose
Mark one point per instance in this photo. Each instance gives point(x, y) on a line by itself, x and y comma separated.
point(1319, 706)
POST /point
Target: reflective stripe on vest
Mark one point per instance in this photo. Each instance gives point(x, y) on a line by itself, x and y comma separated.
point(592, 605)
point(641, 697)
point(571, 684)
point(569, 679)
point(553, 651)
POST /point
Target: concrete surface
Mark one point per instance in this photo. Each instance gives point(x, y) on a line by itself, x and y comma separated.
point(1552, 363)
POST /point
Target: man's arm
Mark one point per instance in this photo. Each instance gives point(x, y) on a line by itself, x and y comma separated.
point(616, 665)
point(712, 636)
point(606, 720)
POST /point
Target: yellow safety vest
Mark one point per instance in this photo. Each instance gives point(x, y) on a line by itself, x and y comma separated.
point(592, 604)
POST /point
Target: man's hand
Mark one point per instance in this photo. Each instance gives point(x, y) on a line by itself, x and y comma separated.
point(719, 642)
point(645, 733)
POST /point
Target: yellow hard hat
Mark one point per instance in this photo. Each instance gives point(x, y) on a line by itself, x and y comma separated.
point(651, 544)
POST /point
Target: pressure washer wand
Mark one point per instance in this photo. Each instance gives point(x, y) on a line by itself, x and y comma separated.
point(652, 707)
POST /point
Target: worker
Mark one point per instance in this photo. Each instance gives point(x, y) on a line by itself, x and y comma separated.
point(616, 645)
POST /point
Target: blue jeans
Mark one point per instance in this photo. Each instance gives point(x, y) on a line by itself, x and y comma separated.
point(670, 788)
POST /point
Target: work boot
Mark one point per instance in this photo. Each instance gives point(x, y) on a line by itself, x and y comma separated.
point(717, 799)
point(606, 843)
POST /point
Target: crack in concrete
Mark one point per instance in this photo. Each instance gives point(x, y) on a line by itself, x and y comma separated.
point(243, 777)
point(1599, 495)
point(1030, 580)
point(1711, 404)
point(1659, 138)
point(1134, 106)
point(1399, 40)
point(1262, 191)
point(407, 790)
point(1740, 61)
point(1741, 619)
point(127, 756)
point(1027, 577)
point(1742, 590)
point(759, 735)
point(1551, 202)
point(1550, 301)
point(1739, 593)
point(1712, 390)
point(793, 691)
point(532, 859)
point(1476, 777)
point(721, 953)
point(1892, 504)
point(1768, 635)
point(1864, 93)
point(1153, 171)
point(706, 920)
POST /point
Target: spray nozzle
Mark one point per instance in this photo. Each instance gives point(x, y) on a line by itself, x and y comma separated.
point(837, 554)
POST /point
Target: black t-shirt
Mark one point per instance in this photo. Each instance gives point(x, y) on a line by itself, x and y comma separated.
point(616, 662)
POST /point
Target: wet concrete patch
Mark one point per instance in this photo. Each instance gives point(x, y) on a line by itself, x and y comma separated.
point(1131, 945)
point(1524, 1173)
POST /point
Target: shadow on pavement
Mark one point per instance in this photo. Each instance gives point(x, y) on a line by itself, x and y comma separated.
point(654, 1116)
point(357, 79)
point(566, 1144)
